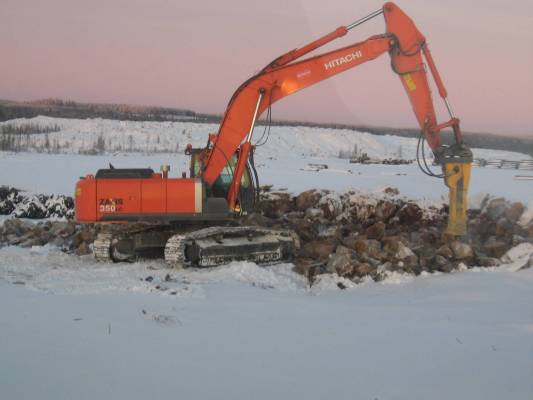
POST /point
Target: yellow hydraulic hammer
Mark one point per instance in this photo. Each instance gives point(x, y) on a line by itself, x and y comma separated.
point(457, 164)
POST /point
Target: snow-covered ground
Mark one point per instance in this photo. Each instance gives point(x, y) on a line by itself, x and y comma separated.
point(82, 135)
point(70, 328)
point(281, 161)
point(88, 331)
point(57, 174)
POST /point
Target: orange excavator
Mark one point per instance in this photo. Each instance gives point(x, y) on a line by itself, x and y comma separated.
point(223, 181)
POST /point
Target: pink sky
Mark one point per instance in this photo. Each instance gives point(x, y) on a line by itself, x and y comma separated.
point(194, 54)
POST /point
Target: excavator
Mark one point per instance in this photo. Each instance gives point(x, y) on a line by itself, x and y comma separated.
point(163, 214)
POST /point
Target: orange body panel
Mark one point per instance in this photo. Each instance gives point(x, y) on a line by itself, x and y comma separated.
point(153, 198)
point(117, 196)
point(85, 199)
point(101, 199)
point(182, 195)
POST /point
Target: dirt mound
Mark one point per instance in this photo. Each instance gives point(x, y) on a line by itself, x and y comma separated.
point(356, 235)
point(352, 235)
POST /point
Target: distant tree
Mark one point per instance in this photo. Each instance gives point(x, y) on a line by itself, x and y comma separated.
point(99, 146)
point(47, 143)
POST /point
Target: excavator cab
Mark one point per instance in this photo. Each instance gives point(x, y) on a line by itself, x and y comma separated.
point(221, 187)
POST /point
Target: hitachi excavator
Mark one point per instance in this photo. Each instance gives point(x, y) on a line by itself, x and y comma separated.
point(163, 213)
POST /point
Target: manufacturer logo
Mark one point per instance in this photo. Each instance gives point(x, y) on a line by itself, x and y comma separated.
point(343, 60)
point(303, 74)
point(110, 205)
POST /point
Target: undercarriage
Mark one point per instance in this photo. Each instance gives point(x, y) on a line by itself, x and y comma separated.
point(187, 246)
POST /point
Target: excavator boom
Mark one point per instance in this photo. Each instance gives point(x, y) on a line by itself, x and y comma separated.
point(287, 74)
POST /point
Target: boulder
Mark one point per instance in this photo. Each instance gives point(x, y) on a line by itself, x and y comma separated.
point(341, 264)
point(374, 250)
point(375, 231)
point(430, 236)
point(314, 213)
point(514, 212)
point(517, 239)
point(306, 230)
point(425, 251)
point(441, 264)
point(495, 208)
point(391, 191)
point(343, 250)
point(503, 227)
point(494, 247)
point(364, 269)
point(385, 210)
point(331, 205)
point(319, 250)
point(461, 250)
point(15, 226)
point(306, 200)
point(410, 213)
point(488, 261)
point(328, 231)
point(306, 267)
point(403, 252)
point(83, 249)
point(358, 244)
point(445, 251)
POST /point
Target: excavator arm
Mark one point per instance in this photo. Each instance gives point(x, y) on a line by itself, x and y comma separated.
point(286, 75)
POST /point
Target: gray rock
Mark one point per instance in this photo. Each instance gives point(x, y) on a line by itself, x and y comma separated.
point(495, 208)
point(517, 239)
point(376, 231)
point(514, 212)
point(15, 226)
point(343, 250)
point(374, 250)
point(319, 250)
point(409, 213)
point(364, 269)
point(494, 247)
point(445, 251)
point(461, 250)
point(314, 213)
point(83, 249)
point(307, 200)
point(341, 264)
point(488, 262)
point(442, 264)
point(404, 252)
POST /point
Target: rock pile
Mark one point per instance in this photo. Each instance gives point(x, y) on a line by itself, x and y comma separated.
point(67, 235)
point(22, 205)
point(356, 236)
point(353, 235)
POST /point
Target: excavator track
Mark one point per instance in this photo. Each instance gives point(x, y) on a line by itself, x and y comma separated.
point(219, 245)
point(102, 247)
point(175, 251)
point(206, 247)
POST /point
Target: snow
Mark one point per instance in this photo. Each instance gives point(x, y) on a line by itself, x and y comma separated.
point(87, 330)
point(81, 135)
point(43, 173)
point(73, 328)
point(527, 215)
point(284, 161)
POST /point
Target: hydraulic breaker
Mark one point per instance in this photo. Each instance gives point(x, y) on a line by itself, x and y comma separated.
point(457, 163)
